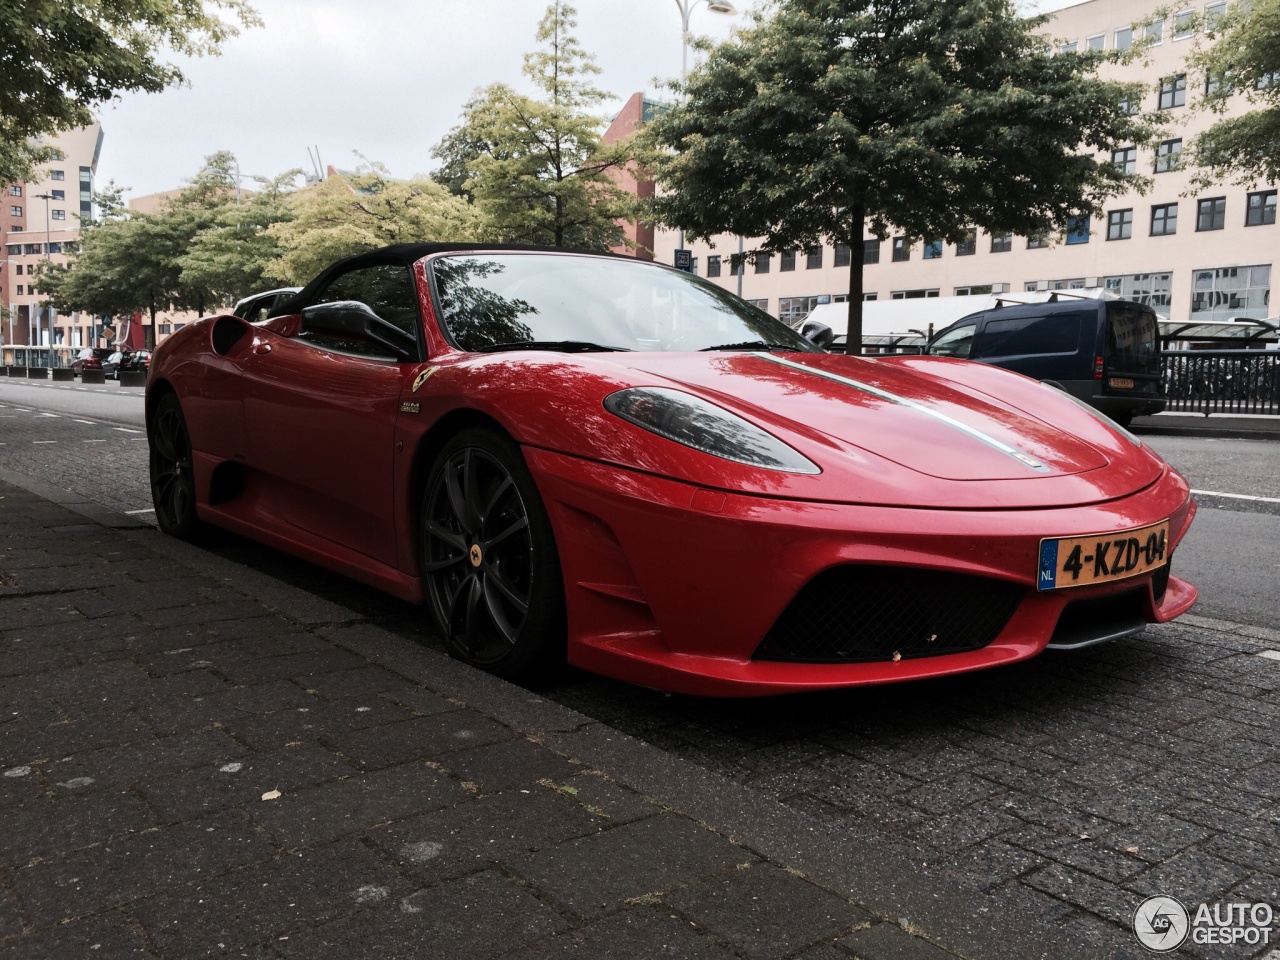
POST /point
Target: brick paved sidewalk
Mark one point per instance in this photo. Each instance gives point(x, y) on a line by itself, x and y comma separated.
point(196, 759)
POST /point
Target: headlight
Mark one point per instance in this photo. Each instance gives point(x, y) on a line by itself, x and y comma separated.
point(696, 423)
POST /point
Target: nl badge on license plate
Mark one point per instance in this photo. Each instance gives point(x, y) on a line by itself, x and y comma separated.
point(1102, 557)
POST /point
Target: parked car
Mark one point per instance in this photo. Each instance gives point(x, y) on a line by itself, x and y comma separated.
point(111, 365)
point(1105, 353)
point(586, 456)
point(261, 305)
point(90, 358)
point(139, 361)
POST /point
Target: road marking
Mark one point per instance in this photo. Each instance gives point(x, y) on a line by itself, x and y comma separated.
point(44, 441)
point(126, 430)
point(90, 422)
point(95, 441)
point(54, 415)
point(1235, 496)
point(135, 512)
point(1270, 654)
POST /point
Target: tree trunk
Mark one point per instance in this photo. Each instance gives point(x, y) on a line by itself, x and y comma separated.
point(149, 334)
point(857, 224)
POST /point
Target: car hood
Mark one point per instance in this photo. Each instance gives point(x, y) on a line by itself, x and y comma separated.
point(919, 432)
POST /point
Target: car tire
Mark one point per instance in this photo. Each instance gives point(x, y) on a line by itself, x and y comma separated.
point(490, 567)
point(173, 487)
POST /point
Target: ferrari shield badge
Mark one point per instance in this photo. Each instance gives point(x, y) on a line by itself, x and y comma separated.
point(422, 377)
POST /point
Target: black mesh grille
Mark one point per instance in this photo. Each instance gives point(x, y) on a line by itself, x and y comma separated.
point(226, 334)
point(860, 614)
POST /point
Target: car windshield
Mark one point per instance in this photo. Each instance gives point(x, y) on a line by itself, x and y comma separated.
point(496, 301)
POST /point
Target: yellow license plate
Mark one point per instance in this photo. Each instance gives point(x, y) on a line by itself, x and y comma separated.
point(1121, 383)
point(1102, 557)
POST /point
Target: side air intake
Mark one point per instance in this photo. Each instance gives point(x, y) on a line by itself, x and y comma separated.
point(227, 332)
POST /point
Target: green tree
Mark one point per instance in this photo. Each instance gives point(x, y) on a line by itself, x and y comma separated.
point(832, 117)
point(537, 166)
point(344, 216)
point(60, 60)
point(1244, 59)
point(228, 258)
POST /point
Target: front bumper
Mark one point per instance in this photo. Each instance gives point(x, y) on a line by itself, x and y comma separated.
point(675, 586)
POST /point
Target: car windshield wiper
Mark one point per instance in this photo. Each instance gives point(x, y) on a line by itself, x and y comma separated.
point(752, 345)
point(564, 346)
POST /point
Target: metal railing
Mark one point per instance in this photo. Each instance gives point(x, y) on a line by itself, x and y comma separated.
point(1222, 381)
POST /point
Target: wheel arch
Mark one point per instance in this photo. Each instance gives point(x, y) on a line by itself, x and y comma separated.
point(432, 442)
point(157, 390)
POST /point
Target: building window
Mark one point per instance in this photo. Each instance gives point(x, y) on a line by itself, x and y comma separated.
point(792, 310)
point(1124, 38)
point(1153, 289)
point(735, 264)
point(870, 251)
point(842, 255)
point(59, 214)
point(1219, 84)
point(1169, 155)
point(1164, 219)
point(901, 249)
point(1097, 42)
point(1037, 243)
point(933, 249)
point(1173, 92)
point(1229, 292)
point(1125, 159)
point(912, 294)
point(18, 270)
point(1153, 33)
point(787, 260)
point(15, 211)
point(977, 290)
point(57, 175)
point(1213, 13)
point(813, 258)
point(713, 265)
point(32, 248)
point(56, 247)
point(1267, 80)
point(57, 194)
point(760, 304)
point(969, 245)
point(1130, 105)
point(1076, 284)
point(18, 288)
point(1078, 229)
point(1261, 208)
point(1211, 214)
point(762, 261)
point(869, 296)
point(1001, 242)
point(1120, 224)
point(1184, 24)
point(15, 190)
point(1068, 47)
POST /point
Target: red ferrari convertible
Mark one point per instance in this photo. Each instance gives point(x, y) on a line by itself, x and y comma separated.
point(592, 458)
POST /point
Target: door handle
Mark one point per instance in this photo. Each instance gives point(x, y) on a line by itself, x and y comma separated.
point(261, 346)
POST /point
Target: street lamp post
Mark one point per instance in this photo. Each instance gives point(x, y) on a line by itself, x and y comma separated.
point(48, 265)
point(686, 8)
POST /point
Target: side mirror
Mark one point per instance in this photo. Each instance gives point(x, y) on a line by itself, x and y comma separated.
point(817, 333)
point(351, 318)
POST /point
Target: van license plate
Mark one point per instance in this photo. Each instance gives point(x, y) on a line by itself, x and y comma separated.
point(1121, 383)
point(1102, 557)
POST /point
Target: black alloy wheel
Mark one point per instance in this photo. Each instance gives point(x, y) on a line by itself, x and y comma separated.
point(489, 560)
point(173, 486)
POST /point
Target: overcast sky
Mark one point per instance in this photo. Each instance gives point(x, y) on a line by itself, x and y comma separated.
point(386, 79)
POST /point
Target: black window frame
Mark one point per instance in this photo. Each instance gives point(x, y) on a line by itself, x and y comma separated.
point(842, 255)
point(1217, 214)
point(1160, 213)
point(871, 251)
point(968, 247)
point(1118, 219)
point(1262, 208)
point(713, 265)
point(786, 261)
point(1169, 155)
point(1001, 243)
point(901, 250)
point(813, 258)
point(1173, 92)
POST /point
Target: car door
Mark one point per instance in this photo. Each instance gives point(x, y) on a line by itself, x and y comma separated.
point(321, 412)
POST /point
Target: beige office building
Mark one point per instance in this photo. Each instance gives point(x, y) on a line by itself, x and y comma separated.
point(1206, 255)
point(42, 217)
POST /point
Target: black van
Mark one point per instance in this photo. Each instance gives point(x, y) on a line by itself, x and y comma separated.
point(1104, 352)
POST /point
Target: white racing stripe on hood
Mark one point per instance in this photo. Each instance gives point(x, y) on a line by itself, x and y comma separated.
point(1020, 456)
